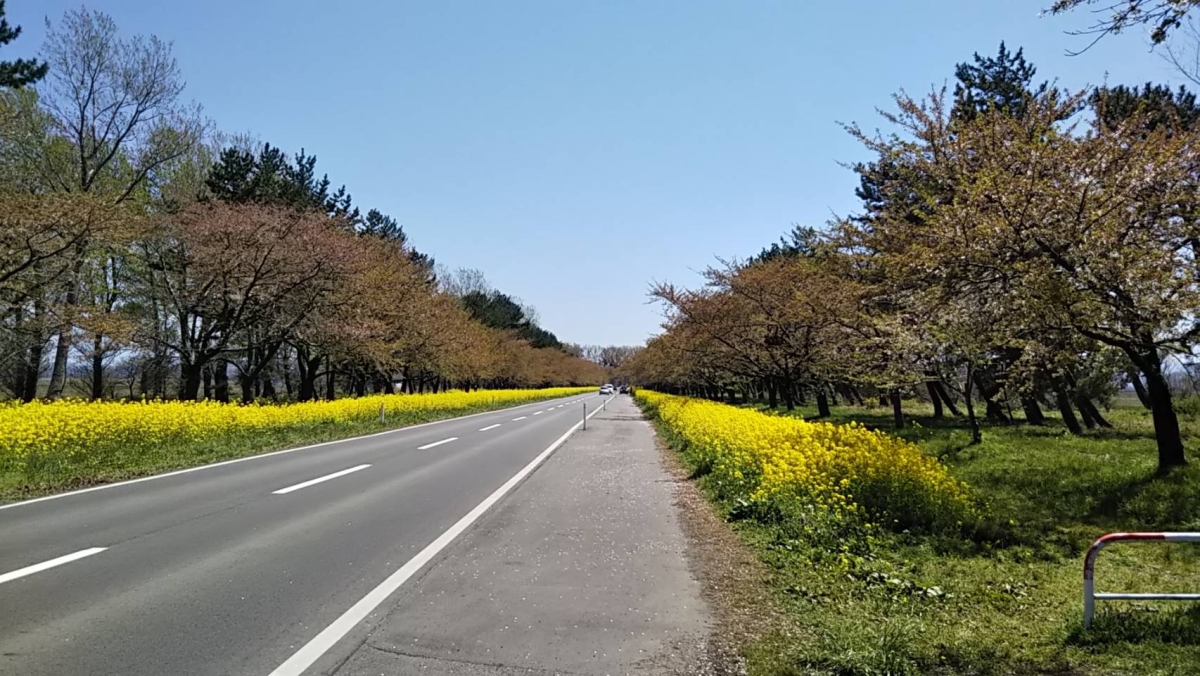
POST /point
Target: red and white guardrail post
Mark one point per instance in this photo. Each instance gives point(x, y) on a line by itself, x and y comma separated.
point(1090, 595)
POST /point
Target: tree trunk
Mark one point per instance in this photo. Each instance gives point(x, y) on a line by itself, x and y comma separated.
point(941, 390)
point(1086, 404)
point(58, 374)
point(822, 405)
point(1033, 412)
point(98, 367)
point(857, 397)
point(1065, 410)
point(247, 385)
point(17, 384)
point(883, 400)
point(897, 411)
point(330, 383)
point(1139, 388)
point(1084, 414)
point(208, 377)
point(33, 369)
point(969, 400)
point(938, 412)
point(190, 376)
point(309, 368)
point(995, 412)
point(772, 394)
point(1166, 424)
point(221, 381)
point(158, 376)
point(268, 387)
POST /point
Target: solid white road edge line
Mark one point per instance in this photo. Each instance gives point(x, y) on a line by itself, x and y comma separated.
point(44, 565)
point(521, 418)
point(437, 443)
point(313, 482)
point(257, 457)
point(489, 427)
point(329, 636)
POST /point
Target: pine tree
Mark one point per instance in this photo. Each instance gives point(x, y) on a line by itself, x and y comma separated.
point(1114, 105)
point(1004, 83)
point(22, 71)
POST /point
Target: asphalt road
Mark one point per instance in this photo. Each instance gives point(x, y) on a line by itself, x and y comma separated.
point(234, 568)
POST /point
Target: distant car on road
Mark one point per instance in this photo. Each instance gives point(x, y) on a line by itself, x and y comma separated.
point(606, 389)
point(624, 389)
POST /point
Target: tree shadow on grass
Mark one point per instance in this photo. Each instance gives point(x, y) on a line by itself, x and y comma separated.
point(1107, 508)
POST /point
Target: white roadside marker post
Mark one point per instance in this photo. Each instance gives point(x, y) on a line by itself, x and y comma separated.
point(585, 415)
point(381, 413)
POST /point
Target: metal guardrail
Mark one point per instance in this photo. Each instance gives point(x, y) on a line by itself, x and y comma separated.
point(1090, 595)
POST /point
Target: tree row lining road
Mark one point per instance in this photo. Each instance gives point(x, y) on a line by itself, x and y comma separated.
point(233, 567)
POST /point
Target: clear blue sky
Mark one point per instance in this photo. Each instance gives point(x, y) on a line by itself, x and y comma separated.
point(576, 151)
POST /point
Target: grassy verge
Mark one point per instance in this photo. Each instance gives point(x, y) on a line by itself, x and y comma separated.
point(180, 454)
point(1003, 597)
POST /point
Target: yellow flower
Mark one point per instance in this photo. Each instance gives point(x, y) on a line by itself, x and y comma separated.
point(772, 457)
point(88, 434)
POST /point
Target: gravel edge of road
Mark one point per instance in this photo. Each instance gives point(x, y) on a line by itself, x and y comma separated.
point(734, 581)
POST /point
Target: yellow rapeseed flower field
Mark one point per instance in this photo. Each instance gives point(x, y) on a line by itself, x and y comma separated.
point(768, 459)
point(79, 437)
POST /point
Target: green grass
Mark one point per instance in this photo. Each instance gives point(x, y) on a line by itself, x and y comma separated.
point(49, 480)
point(1005, 597)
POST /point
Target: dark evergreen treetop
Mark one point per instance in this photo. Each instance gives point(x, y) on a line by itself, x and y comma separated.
point(22, 71)
point(499, 311)
point(1003, 82)
point(1114, 105)
point(380, 225)
point(271, 178)
point(802, 240)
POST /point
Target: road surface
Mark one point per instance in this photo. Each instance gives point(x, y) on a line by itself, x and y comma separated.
point(256, 566)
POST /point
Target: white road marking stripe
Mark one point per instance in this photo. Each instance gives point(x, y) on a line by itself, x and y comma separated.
point(45, 565)
point(437, 443)
point(313, 482)
point(521, 418)
point(489, 427)
point(198, 468)
point(538, 412)
point(329, 636)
